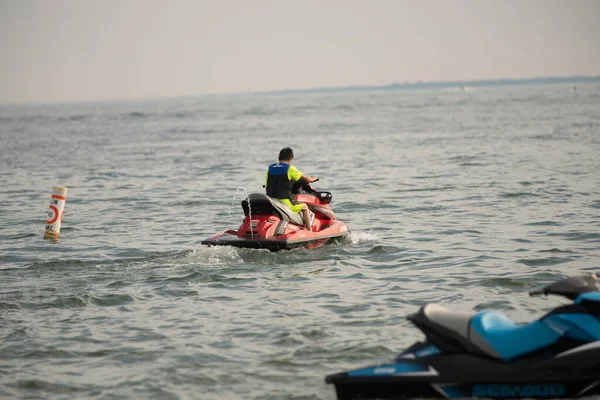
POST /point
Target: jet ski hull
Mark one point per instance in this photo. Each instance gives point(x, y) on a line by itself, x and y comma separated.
point(490, 389)
point(439, 377)
point(270, 224)
point(272, 245)
point(307, 239)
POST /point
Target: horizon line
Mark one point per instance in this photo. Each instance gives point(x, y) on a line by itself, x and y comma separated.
point(435, 84)
point(439, 84)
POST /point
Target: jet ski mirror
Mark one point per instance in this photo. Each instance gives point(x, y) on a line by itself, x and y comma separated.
point(570, 287)
point(325, 197)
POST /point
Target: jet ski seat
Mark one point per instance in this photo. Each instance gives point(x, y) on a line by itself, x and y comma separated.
point(261, 204)
point(458, 322)
point(502, 338)
point(490, 332)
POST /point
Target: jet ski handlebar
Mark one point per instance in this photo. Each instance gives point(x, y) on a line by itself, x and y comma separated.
point(301, 185)
point(570, 287)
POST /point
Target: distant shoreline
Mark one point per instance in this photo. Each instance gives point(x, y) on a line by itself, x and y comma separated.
point(456, 84)
point(444, 84)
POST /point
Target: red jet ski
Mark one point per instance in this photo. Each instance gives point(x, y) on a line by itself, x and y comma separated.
point(270, 224)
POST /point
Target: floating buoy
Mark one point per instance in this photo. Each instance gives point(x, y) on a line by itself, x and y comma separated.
point(55, 213)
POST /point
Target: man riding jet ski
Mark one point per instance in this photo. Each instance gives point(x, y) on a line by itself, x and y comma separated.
point(485, 354)
point(273, 220)
point(279, 184)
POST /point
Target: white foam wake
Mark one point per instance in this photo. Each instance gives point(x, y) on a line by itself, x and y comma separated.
point(362, 237)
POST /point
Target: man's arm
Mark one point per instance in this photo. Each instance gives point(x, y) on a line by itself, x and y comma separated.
point(309, 179)
point(295, 175)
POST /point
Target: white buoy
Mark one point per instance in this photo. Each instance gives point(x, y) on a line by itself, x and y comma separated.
point(55, 213)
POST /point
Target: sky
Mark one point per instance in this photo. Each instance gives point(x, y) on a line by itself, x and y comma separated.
point(64, 50)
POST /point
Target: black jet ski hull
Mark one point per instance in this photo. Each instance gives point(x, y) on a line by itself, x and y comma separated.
point(438, 377)
point(490, 389)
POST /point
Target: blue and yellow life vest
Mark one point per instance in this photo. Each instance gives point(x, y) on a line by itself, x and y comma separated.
point(279, 185)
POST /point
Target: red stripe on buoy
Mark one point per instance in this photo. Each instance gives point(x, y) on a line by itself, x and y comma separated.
point(55, 215)
point(55, 196)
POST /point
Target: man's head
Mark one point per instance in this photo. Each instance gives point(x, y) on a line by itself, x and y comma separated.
point(286, 154)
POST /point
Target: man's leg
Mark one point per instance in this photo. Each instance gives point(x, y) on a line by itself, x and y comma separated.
point(306, 217)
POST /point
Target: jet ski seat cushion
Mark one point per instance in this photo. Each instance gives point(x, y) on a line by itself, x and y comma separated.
point(490, 333)
point(501, 338)
point(261, 204)
point(457, 321)
point(448, 330)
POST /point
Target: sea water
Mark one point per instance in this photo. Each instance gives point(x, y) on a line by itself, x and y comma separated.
point(465, 198)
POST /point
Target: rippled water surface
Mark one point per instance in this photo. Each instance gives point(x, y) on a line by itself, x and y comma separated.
point(463, 198)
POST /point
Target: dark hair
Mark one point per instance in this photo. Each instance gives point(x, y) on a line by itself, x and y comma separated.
point(286, 154)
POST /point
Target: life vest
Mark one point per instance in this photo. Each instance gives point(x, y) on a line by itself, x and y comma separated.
point(278, 183)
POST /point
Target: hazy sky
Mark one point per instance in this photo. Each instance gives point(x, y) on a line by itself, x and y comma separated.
point(94, 49)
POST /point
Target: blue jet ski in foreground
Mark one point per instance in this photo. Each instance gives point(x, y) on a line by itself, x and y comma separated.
point(485, 354)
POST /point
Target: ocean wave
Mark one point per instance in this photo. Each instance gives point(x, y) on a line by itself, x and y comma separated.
point(49, 387)
point(555, 250)
point(544, 262)
point(588, 124)
point(72, 118)
point(543, 223)
point(136, 114)
point(182, 115)
point(109, 300)
point(520, 194)
point(255, 112)
point(580, 236)
point(59, 302)
point(4, 305)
